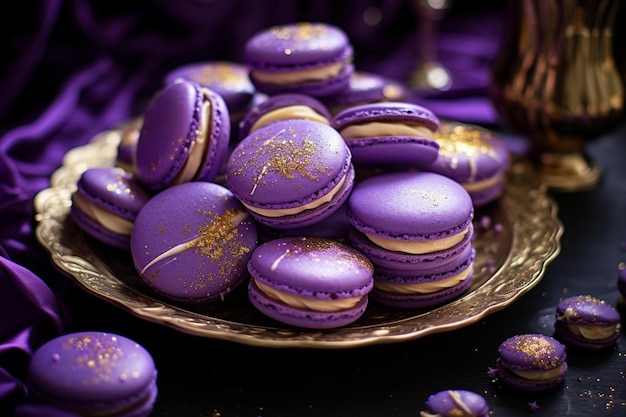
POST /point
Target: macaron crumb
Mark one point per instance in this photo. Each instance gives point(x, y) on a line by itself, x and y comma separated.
point(533, 406)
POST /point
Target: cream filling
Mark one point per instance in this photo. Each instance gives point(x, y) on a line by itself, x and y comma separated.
point(591, 332)
point(289, 112)
point(540, 375)
point(472, 187)
point(307, 303)
point(425, 287)
point(103, 217)
point(376, 129)
point(417, 247)
point(315, 74)
point(295, 210)
point(197, 149)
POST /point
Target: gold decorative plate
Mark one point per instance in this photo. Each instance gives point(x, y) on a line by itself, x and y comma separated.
point(511, 259)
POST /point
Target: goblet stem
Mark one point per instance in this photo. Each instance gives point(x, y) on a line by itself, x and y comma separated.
point(429, 73)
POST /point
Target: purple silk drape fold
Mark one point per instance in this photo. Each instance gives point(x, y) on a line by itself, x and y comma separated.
point(73, 68)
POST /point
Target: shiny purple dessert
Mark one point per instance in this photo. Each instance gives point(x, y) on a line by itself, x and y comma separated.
point(389, 135)
point(532, 362)
point(309, 282)
point(304, 57)
point(191, 242)
point(456, 403)
point(587, 322)
point(291, 173)
point(475, 159)
point(184, 137)
point(94, 374)
point(106, 203)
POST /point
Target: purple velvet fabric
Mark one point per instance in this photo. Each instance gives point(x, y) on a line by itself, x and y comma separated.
point(73, 68)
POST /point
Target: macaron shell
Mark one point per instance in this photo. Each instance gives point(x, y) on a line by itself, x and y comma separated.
point(563, 334)
point(389, 112)
point(426, 273)
point(531, 352)
point(404, 261)
point(99, 232)
point(527, 385)
point(113, 189)
point(393, 152)
point(94, 372)
point(586, 309)
point(228, 79)
point(304, 318)
point(311, 217)
point(192, 242)
point(420, 301)
point(287, 164)
point(297, 46)
point(446, 404)
point(171, 121)
point(311, 267)
point(417, 206)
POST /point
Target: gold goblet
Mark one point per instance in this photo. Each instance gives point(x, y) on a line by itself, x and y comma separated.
point(555, 79)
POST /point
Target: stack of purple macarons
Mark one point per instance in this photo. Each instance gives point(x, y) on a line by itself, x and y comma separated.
point(294, 154)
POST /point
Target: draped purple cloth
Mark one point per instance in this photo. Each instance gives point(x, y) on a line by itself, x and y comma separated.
point(72, 68)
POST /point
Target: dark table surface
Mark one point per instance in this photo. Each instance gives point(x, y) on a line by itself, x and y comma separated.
point(203, 377)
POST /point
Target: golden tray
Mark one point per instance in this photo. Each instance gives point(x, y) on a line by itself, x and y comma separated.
point(509, 262)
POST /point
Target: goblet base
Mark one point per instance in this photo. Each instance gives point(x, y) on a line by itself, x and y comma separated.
point(569, 172)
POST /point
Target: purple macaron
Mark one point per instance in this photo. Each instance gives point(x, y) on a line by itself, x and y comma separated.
point(228, 79)
point(424, 286)
point(184, 137)
point(94, 373)
point(456, 403)
point(474, 158)
point(291, 173)
point(415, 213)
point(309, 58)
point(389, 134)
point(368, 87)
point(191, 242)
point(586, 322)
point(309, 282)
point(532, 362)
point(106, 203)
point(283, 107)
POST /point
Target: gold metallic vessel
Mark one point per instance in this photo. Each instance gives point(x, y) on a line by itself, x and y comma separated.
point(556, 79)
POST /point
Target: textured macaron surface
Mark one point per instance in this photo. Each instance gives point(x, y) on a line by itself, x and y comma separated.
point(456, 403)
point(532, 352)
point(170, 127)
point(92, 369)
point(387, 112)
point(287, 164)
point(312, 267)
point(229, 79)
point(417, 206)
point(587, 310)
point(113, 189)
point(297, 46)
point(192, 241)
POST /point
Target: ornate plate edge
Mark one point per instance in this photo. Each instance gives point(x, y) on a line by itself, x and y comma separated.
point(536, 242)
